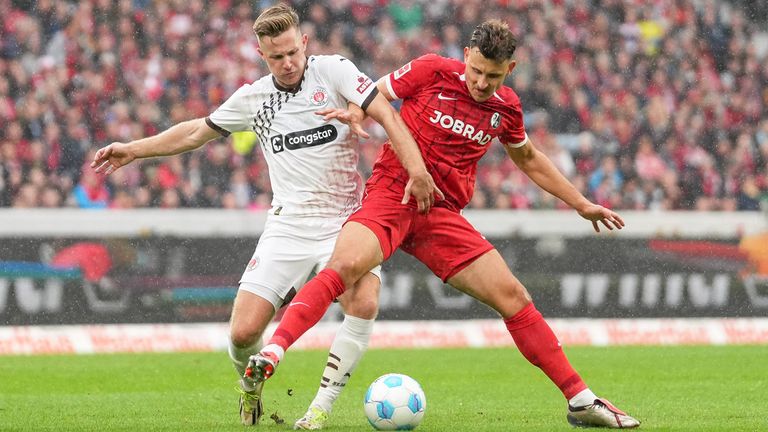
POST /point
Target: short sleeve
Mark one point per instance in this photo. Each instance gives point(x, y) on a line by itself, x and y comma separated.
point(516, 139)
point(413, 76)
point(514, 135)
point(232, 115)
point(347, 80)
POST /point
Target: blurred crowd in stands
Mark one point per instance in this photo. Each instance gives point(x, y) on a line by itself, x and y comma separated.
point(645, 104)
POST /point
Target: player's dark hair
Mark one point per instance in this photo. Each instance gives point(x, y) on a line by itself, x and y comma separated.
point(494, 40)
point(275, 20)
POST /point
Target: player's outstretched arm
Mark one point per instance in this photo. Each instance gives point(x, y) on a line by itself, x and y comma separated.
point(599, 214)
point(180, 138)
point(543, 172)
point(420, 182)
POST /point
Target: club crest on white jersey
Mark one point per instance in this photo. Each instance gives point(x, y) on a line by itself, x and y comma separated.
point(319, 97)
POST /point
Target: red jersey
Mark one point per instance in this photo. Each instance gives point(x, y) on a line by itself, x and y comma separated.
point(453, 131)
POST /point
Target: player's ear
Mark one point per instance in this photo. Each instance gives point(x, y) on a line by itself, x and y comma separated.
point(512, 65)
point(258, 48)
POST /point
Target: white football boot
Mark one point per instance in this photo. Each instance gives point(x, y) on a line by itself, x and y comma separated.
point(251, 408)
point(314, 419)
point(600, 413)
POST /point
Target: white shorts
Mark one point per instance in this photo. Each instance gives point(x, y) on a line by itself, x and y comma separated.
point(290, 251)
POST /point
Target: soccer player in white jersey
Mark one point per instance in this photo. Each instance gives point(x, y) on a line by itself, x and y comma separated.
point(313, 171)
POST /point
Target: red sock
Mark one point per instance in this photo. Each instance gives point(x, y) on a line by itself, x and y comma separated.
point(536, 341)
point(308, 307)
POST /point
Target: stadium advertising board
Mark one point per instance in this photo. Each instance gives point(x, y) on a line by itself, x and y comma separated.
point(171, 279)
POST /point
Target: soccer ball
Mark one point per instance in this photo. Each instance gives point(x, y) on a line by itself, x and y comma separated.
point(395, 402)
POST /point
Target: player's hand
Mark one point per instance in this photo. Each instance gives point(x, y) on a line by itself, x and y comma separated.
point(352, 119)
point(108, 159)
point(424, 190)
point(599, 214)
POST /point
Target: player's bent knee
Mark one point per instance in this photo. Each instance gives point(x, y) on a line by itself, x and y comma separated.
point(511, 298)
point(242, 337)
point(366, 308)
point(349, 269)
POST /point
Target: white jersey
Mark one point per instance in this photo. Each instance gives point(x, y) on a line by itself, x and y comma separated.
point(312, 163)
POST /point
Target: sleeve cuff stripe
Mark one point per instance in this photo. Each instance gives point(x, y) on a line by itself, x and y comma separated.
point(217, 128)
point(370, 98)
point(520, 144)
point(392, 93)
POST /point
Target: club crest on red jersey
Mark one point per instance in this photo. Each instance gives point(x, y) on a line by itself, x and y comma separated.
point(365, 82)
point(319, 97)
point(495, 120)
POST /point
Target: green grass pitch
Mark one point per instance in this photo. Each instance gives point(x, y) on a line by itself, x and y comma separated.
point(667, 388)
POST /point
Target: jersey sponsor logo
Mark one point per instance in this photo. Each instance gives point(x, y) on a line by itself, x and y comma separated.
point(319, 97)
point(403, 70)
point(365, 82)
point(277, 143)
point(461, 128)
point(303, 139)
point(311, 137)
point(495, 120)
point(447, 98)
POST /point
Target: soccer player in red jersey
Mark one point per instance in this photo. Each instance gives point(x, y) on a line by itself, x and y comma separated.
point(454, 111)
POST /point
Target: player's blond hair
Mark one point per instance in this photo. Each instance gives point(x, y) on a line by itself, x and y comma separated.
point(494, 39)
point(275, 20)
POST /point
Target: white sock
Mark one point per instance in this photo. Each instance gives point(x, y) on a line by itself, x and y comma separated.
point(240, 356)
point(582, 398)
point(276, 350)
point(347, 349)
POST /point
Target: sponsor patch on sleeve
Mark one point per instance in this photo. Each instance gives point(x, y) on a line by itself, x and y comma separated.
point(403, 70)
point(365, 82)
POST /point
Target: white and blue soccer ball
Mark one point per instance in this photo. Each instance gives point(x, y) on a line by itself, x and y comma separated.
point(395, 402)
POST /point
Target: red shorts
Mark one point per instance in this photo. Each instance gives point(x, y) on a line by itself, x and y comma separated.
point(443, 239)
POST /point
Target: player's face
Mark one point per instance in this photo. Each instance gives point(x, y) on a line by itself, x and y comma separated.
point(484, 76)
point(285, 55)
